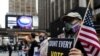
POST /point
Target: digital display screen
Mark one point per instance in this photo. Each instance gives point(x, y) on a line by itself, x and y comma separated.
point(12, 21)
point(25, 22)
point(19, 21)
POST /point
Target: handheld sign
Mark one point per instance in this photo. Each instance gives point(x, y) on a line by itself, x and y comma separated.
point(59, 47)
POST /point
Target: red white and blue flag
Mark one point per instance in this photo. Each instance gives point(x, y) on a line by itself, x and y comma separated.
point(88, 36)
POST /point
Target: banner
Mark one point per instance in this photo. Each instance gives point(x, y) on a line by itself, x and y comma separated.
point(59, 47)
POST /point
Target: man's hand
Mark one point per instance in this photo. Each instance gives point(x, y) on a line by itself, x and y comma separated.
point(75, 52)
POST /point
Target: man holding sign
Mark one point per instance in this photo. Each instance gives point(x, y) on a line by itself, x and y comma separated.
point(72, 23)
point(86, 42)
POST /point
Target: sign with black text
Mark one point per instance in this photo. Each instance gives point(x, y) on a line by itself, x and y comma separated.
point(59, 47)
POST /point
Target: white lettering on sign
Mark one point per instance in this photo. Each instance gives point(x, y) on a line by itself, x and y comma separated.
point(53, 43)
point(60, 44)
point(65, 44)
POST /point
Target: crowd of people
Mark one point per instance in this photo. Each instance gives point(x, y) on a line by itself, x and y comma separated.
point(32, 47)
point(26, 45)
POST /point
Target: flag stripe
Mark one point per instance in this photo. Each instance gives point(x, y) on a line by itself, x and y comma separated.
point(89, 37)
point(95, 42)
point(88, 33)
point(90, 30)
point(94, 51)
point(98, 53)
point(89, 42)
point(85, 45)
point(88, 48)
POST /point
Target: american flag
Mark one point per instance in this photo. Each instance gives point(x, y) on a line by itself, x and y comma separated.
point(87, 36)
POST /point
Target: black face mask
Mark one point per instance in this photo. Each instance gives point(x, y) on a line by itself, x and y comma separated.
point(41, 38)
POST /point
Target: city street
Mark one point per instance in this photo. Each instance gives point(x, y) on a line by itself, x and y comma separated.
point(6, 54)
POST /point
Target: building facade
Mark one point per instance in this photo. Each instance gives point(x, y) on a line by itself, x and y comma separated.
point(48, 10)
point(22, 7)
point(51, 10)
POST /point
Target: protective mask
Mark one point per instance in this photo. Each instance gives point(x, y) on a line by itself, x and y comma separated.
point(75, 27)
point(41, 38)
point(72, 28)
point(68, 26)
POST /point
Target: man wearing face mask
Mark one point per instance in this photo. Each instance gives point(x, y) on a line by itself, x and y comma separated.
point(72, 23)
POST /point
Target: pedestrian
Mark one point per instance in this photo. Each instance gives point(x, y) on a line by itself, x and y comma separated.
point(9, 49)
point(34, 44)
point(20, 51)
point(25, 48)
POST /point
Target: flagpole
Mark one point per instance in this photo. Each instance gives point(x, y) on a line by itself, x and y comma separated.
point(75, 41)
point(92, 6)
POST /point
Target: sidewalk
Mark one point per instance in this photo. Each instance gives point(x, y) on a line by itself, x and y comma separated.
point(6, 54)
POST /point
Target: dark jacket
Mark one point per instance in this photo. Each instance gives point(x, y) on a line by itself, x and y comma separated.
point(9, 48)
point(31, 50)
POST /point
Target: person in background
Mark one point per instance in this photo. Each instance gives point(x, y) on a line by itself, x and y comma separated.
point(25, 47)
point(15, 47)
point(42, 36)
point(9, 49)
point(20, 44)
point(34, 44)
point(44, 47)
